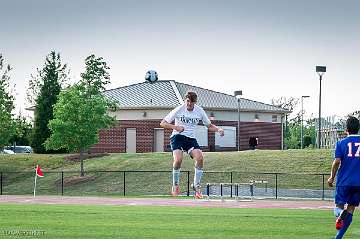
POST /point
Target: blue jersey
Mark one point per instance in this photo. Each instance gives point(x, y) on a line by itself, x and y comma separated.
point(348, 150)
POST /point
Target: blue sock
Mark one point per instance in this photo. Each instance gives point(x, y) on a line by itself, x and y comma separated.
point(347, 222)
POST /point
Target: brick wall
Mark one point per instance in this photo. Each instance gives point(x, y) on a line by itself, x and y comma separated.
point(113, 140)
point(269, 134)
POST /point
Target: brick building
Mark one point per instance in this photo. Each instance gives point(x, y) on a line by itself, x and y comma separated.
point(142, 106)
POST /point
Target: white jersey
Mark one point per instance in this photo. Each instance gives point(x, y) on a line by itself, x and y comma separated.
point(187, 119)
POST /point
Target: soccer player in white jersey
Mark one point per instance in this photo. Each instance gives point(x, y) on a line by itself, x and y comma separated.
point(186, 117)
point(347, 166)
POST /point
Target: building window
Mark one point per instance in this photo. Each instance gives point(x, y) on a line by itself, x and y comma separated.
point(274, 118)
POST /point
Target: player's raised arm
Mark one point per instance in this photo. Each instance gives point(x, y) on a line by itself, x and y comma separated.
point(214, 128)
point(211, 126)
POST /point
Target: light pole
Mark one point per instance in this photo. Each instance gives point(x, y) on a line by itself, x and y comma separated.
point(320, 70)
point(302, 120)
point(238, 95)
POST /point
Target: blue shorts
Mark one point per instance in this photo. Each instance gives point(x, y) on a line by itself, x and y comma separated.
point(347, 195)
point(184, 143)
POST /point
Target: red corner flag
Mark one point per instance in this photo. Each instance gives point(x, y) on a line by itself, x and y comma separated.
point(39, 172)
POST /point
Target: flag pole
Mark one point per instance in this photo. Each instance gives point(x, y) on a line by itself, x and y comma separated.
point(35, 180)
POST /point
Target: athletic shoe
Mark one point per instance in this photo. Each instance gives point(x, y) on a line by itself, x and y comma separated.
point(340, 220)
point(175, 190)
point(197, 190)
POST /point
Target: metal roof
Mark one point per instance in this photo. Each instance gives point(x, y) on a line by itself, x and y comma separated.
point(168, 93)
point(159, 94)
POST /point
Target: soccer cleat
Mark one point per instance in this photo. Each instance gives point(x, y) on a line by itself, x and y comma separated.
point(175, 190)
point(197, 190)
point(340, 220)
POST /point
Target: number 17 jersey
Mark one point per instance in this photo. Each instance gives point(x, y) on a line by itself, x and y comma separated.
point(348, 150)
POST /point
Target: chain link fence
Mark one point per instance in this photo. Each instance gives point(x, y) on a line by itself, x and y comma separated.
point(158, 183)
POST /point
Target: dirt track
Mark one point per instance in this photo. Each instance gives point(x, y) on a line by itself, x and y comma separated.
point(168, 202)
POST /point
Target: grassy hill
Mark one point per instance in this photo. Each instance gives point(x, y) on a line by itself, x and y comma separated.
point(287, 161)
point(112, 183)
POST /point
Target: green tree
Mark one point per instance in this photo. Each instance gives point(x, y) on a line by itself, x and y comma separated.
point(310, 133)
point(355, 114)
point(43, 90)
point(291, 125)
point(285, 103)
point(7, 128)
point(292, 140)
point(82, 111)
point(292, 132)
point(23, 131)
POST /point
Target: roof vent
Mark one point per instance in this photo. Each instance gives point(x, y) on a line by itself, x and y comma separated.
point(151, 76)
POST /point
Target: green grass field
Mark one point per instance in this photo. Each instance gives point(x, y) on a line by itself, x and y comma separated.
point(82, 221)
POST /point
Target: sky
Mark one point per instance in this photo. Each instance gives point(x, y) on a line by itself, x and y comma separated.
point(266, 48)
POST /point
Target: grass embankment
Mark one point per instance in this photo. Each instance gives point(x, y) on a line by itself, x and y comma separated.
point(269, 161)
point(287, 161)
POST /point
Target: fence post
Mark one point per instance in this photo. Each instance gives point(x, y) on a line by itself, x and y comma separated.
point(237, 191)
point(276, 185)
point(124, 184)
point(323, 187)
point(1, 183)
point(231, 181)
point(62, 183)
point(188, 183)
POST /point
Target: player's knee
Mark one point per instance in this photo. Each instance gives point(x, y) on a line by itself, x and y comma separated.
point(197, 154)
point(198, 158)
point(177, 164)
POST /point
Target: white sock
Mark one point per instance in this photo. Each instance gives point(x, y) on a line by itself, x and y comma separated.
point(176, 176)
point(197, 177)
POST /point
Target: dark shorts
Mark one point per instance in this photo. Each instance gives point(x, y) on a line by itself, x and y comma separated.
point(184, 143)
point(347, 195)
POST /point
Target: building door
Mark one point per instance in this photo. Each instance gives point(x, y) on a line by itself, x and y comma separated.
point(130, 140)
point(159, 140)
